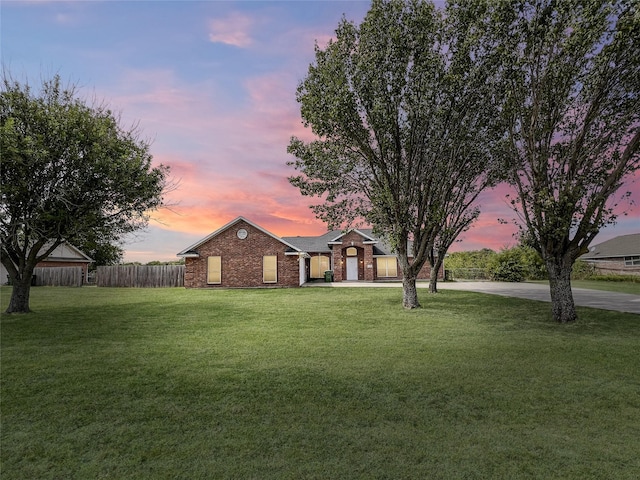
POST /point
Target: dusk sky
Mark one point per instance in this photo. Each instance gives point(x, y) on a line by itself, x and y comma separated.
point(212, 84)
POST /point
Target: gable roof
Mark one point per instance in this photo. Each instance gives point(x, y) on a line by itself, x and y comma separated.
point(65, 252)
point(301, 245)
point(364, 233)
point(191, 250)
point(323, 243)
point(622, 246)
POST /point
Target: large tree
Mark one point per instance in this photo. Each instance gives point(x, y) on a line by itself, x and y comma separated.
point(572, 71)
point(404, 123)
point(102, 251)
point(70, 171)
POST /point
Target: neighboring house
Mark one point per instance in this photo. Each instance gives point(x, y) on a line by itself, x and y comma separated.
point(243, 254)
point(64, 255)
point(620, 255)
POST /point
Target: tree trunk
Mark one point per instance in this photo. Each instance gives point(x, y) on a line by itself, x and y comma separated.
point(562, 305)
point(409, 292)
point(433, 277)
point(19, 302)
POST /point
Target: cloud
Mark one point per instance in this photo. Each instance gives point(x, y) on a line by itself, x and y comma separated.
point(227, 146)
point(234, 29)
point(230, 160)
point(207, 202)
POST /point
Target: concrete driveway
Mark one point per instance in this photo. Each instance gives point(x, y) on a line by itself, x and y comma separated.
point(620, 302)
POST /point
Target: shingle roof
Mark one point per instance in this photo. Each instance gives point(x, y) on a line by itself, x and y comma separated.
point(313, 244)
point(380, 248)
point(318, 244)
point(321, 244)
point(622, 246)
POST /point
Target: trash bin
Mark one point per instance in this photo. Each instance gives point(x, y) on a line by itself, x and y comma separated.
point(328, 276)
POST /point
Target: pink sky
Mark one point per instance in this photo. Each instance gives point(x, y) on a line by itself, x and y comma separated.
point(212, 84)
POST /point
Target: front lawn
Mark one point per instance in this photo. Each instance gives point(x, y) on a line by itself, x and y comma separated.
point(620, 286)
point(326, 383)
point(631, 286)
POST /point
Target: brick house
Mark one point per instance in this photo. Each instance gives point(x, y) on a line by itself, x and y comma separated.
point(243, 254)
point(64, 255)
point(620, 255)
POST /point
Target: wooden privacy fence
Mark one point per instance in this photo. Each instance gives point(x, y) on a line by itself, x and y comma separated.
point(58, 276)
point(141, 276)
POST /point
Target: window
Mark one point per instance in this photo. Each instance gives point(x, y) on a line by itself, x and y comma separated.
point(387, 267)
point(352, 252)
point(632, 261)
point(319, 265)
point(270, 268)
point(214, 274)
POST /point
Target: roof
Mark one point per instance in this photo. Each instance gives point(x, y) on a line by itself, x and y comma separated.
point(317, 244)
point(622, 246)
point(381, 247)
point(364, 232)
point(322, 243)
point(191, 251)
point(65, 252)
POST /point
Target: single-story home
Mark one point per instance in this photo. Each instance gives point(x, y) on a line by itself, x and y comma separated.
point(243, 254)
point(64, 255)
point(620, 255)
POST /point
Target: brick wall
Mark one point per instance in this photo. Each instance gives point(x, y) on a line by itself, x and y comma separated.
point(241, 260)
point(365, 258)
point(613, 267)
point(367, 268)
point(424, 274)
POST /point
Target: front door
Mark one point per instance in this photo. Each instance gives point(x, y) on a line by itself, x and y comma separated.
point(352, 268)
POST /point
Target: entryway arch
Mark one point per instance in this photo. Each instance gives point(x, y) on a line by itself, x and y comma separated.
point(351, 256)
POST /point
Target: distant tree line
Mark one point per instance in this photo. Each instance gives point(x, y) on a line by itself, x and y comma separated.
point(511, 264)
point(156, 262)
point(515, 264)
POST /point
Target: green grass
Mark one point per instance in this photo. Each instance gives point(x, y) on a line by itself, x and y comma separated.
point(621, 287)
point(607, 286)
point(314, 384)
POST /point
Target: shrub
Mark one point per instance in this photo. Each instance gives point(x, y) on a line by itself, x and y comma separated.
point(534, 266)
point(472, 259)
point(583, 271)
point(506, 267)
point(468, 273)
point(517, 264)
point(513, 264)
